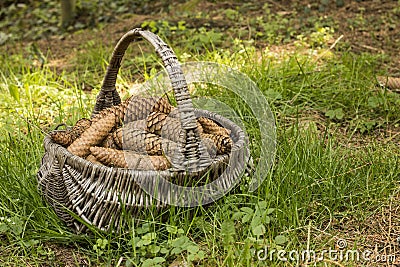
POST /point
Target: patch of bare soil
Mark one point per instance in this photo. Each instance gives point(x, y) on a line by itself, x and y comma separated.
point(367, 26)
point(61, 49)
point(373, 26)
point(377, 237)
point(350, 240)
point(67, 256)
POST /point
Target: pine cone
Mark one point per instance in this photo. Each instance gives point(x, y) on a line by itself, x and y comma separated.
point(109, 156)
point(117, 138)
point(165, 126)
point(222, 142)
point(117, 111)
point(155, 122)
point(65, 138)
point(210, 146)
point(135, 108)
point(81, 126)
point(199, 127)
point(93, 136)
point(139, 141)
point(129, 159)
point(93, 159)
point(389, 82)
point(138, 108)
point(161, 105)
point(143, 142)
point(137, 125)
point(109, 142)
point(211, 127)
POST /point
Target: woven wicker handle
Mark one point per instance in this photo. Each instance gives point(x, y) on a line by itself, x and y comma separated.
point(108, 95)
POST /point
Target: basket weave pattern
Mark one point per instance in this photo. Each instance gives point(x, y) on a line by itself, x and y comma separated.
point(98, 194)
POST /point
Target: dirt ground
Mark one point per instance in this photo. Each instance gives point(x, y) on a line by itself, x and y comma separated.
point(367, 26)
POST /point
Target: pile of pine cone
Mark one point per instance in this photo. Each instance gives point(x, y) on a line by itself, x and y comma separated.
point(141, 133)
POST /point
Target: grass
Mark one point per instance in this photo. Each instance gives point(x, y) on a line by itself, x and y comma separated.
point(324, 174)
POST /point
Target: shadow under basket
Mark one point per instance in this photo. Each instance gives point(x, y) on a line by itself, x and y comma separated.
point(100, 195)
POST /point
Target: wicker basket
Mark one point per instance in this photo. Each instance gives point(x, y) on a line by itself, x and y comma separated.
point(100, 194)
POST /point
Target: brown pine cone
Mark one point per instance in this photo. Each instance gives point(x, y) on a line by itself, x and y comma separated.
point(211, 127)
point(155, 122)
point(135, 108)
point(129, 159)
point(65, 138)
point(109, 156)
point(165, 126)
point(118, 112)
point(199, 127)
point(117, 138)
point(161, 105)
point(109, 142)
point(210, 146)
point(143, 142)
point(154, 145)
point(81, 126)
point(222, 142)
point(93, 159)
point(138, 108)
point(93, 136)
point(389, 82)
point(137, 125)
point(139, 141)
